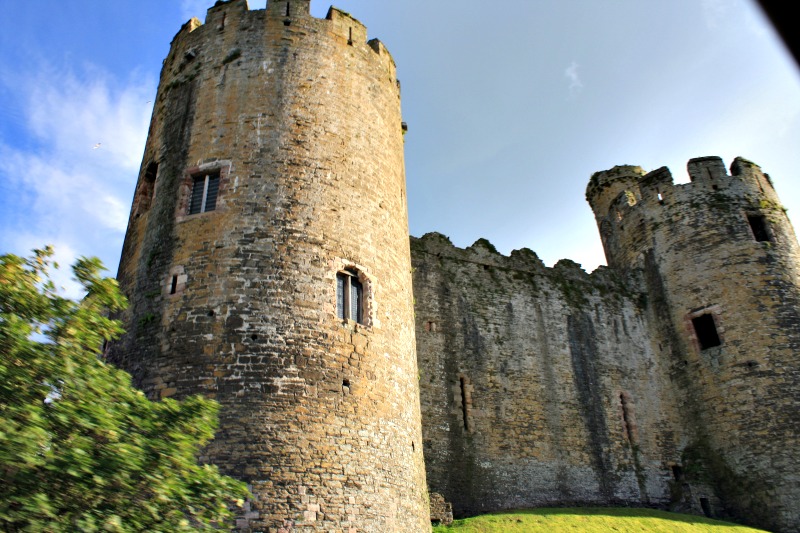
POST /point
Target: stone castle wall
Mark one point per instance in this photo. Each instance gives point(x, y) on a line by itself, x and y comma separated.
point(299, 118)
point(720, 248)
point(540, 386)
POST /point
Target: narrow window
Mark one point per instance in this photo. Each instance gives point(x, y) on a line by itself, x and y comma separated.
point(204, 193)
point(677, 472)
point(706, 331)
point(175, 281)
point(758, 225)
point(349, 297)
point(350, 38)
point(660, 197)
point(706, 507)
point(151, 173)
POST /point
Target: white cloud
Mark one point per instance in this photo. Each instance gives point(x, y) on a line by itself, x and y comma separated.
point(59, 188)
point(575, 83)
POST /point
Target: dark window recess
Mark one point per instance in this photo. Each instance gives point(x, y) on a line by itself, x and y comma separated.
point(174, 285)
point(349, 297)
point(147, 189)
point(758, 224)
point(151, 173)
point(204, 193)
point(706, 331)
point(706, 507)
point(677, 472)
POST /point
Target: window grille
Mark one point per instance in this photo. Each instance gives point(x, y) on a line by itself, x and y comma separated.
point(204, 193)
point(349, 297)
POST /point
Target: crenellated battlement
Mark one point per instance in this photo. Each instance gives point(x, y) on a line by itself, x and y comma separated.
point(625, 186)
point(631, 207)
point(285, 20)
point(524, 260)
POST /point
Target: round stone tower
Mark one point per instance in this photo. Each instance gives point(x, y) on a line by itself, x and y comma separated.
point(721, 265)
point(267, 265)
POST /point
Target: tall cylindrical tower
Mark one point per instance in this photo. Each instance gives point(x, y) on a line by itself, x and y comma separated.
point(267, 264)
point(722, 265)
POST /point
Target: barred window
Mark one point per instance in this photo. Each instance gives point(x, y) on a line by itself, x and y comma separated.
point(349, 296)
point(204, 193)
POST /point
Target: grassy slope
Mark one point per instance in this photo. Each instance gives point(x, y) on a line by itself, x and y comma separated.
point(591, 520)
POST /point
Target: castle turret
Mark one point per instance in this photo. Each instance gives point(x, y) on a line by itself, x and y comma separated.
point(722, 265)
point(267, 265)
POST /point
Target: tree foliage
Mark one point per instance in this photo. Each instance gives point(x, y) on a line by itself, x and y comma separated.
point(80, 449)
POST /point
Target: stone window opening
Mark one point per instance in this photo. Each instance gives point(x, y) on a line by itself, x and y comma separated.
point(705, 329)
point(705, 505)
point(350, 296)
point(175, 282)
point(350, 37)
point(660, 197)
point(205, 189)
point(759, 227)
point(677, 472)
point(288, 22)
point(147, 189)
point(174, 285)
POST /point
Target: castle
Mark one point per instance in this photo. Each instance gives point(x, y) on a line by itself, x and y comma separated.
point(268, 266)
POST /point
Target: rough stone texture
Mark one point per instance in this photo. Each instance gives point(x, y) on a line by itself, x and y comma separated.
point(553, 387)
point(441, 510)
point(540, 386)
point(741, 399)
point(300, 118)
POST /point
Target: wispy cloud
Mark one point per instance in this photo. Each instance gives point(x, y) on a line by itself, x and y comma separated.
point(575, 83)
point(72, 185)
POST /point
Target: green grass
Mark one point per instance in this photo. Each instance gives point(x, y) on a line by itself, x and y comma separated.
point(599, 520)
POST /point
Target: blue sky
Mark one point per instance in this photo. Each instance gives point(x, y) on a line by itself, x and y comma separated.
point(511, 106)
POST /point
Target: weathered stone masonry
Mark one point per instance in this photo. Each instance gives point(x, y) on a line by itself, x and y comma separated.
point(297, 121)
point(268, 266)
point(668, 379)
